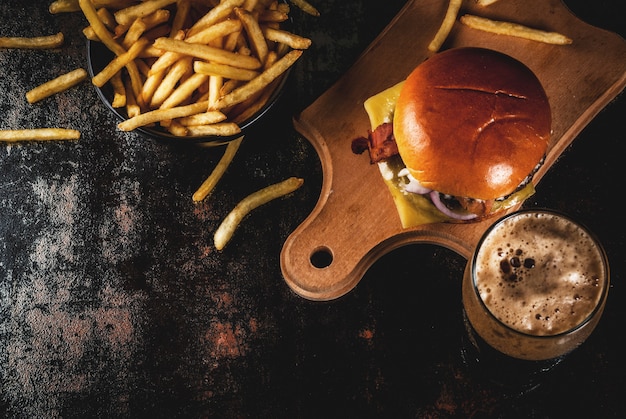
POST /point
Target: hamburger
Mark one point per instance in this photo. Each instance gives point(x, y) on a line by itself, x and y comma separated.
point(460, 139)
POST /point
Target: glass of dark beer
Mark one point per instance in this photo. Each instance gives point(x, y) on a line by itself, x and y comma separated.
point(533, 291)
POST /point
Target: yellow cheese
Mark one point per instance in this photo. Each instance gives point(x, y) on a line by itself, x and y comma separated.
point(380, 107)
point(413, 209)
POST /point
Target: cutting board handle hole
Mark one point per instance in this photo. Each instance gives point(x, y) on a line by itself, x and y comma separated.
point(322, 257)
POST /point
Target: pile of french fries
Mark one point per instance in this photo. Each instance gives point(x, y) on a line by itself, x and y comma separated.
point(192, 67)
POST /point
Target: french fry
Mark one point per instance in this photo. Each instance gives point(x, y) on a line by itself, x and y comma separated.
point(36, 42)
point(208, 53)
point(223, 70)
point(217, 31)
point(205, 118)
point(227, 87)
point(242, 113)
point(166, 58)
point(119, 91)
point(107, 39)
point(216, 14)
point(446, 25)
point(255, 85)
point(107, 19)
point(132, 104)
point(287, 38)
point(255, 34)
point(273, 16)
point(63, 6)
point(174, 128)
point(151, 84)
point(118, 63)
point(249, 5)
point(221, 129)
point(210, 182)
point(56, 85)
point(127, 15)
point(67, 6)
point(514, 29)
point(183, 7)
point(145, 24)
point(227, 228)
point(184, 91)
point(306, 7)
point(99, 28)
point(38, 134)
point(134, 32)
point(157, 115)
point(176, 73)
point(216, 86)
point(153, 33)
point(484, 3)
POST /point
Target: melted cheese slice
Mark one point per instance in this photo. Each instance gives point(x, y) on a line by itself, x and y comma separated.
point(412, 208)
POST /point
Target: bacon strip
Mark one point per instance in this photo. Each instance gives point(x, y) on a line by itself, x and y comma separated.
point(380, 143)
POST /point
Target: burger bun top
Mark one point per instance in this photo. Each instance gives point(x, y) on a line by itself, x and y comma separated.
point(472, 122)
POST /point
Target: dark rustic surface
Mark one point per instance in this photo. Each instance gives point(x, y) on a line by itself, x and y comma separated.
point(113, 302)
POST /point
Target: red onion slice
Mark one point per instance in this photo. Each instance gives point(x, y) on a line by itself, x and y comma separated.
point(434, 196)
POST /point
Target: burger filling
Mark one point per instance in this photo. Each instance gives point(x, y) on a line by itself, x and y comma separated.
point(415, 203)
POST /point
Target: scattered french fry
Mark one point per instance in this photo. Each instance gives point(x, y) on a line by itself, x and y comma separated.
point(210, 182)
point(514, 29)
point(39, 134)
point(56, 85)
point(446, 25)
point(225, 231)
point(37, 42)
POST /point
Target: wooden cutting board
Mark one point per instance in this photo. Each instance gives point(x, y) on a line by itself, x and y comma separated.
point(355, 221)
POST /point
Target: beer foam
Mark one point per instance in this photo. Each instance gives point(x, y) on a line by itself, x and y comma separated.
point(540, 273)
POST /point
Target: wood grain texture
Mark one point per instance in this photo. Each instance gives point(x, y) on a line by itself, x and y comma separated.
point(355, 221)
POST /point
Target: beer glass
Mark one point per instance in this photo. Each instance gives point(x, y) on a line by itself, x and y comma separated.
point(533, 290)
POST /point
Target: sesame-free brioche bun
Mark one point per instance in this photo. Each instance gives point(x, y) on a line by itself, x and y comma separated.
point(472, 122)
